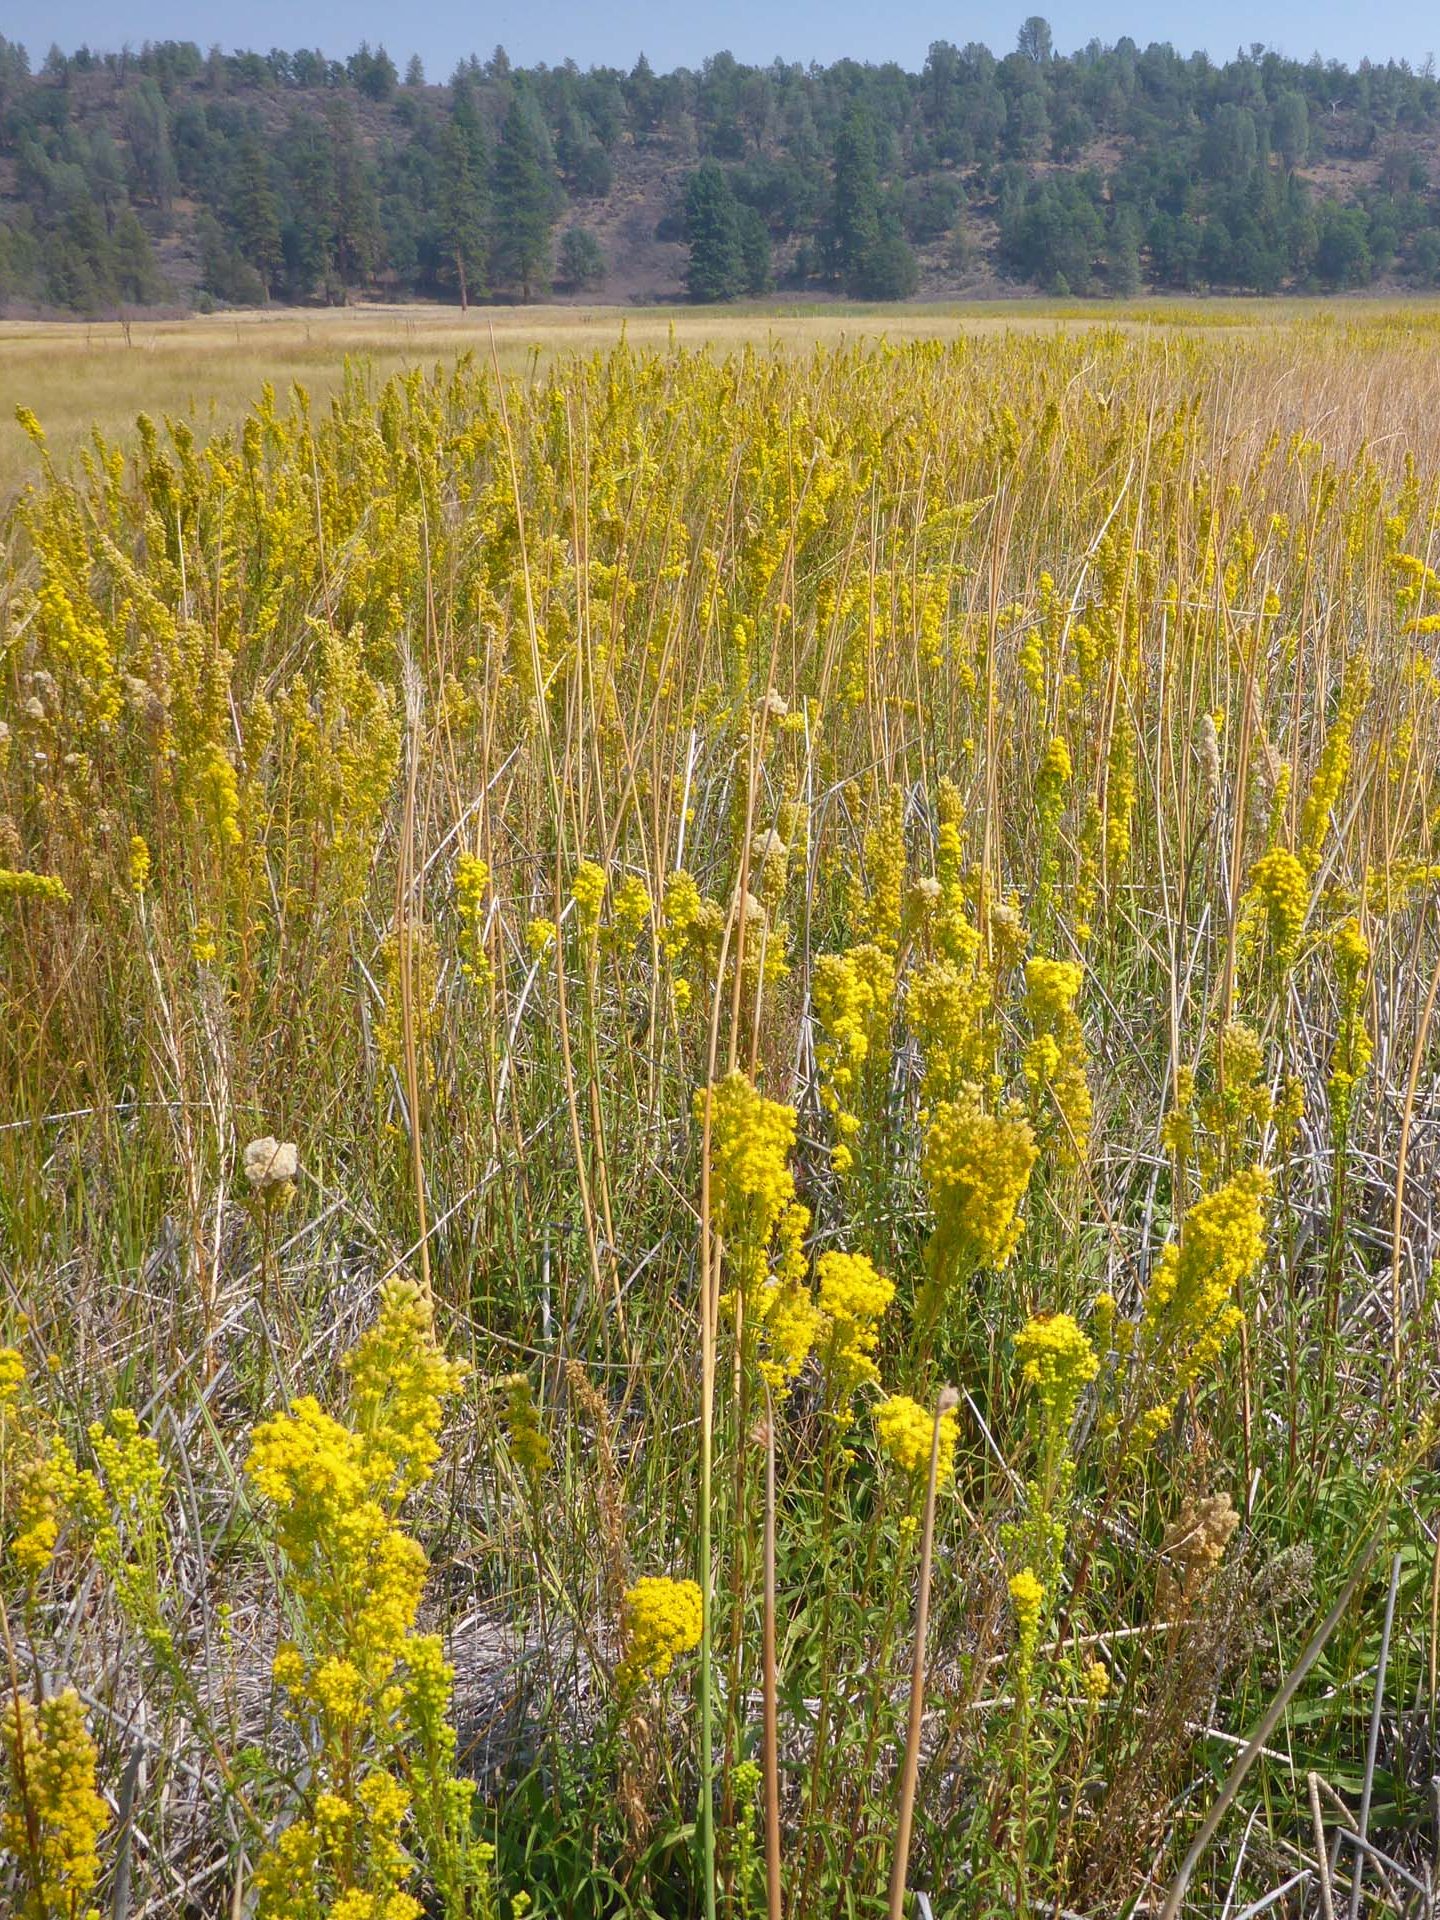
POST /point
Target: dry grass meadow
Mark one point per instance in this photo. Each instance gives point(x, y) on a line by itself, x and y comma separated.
point(720, 1114)
point(81, 375)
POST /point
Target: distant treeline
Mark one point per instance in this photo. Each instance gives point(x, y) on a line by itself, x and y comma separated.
point(170, 173)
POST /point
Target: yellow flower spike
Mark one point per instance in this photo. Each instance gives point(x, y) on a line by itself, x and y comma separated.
point(528, 1443)
point(1058, 1362)
point(1280, 890)
point(51, 1817)
point(660, 1621)
point(1190, 1309)
point(751, 1184)
point(588, 890)
point(1055, 1059)
point(905, 1431)
point(853, 1298)
point(976, 1168)
point(1029, 1599)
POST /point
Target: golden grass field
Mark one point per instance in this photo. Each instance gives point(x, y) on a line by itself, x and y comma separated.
point(720, 1115)
point(80, 375)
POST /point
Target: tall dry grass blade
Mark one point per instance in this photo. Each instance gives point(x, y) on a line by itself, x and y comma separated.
point(1402, 1152)
point(1372, 1745)
point(947, 1401)
point(404, 882)
point(1322, 1864)
point(771, 1685)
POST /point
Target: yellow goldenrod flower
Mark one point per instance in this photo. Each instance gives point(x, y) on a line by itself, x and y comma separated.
point(1058, 1362)
point(976, 1167)
point(528, 1443)
point(661, 1620)
point(853, 1298)
point(51, 1817)
point(33, 886)
point(1190, 1308)
point(1028, 1595)
point(1055, 1058)
point(1095, 1681)
point(906, 1431)
point(588, 892)
point(750, 1179)
point(1279, 888)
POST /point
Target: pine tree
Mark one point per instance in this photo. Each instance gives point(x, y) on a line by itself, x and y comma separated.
point(309, 231)
point(526, 197)
point(855, 207)
point(581, 263)
point(255, 213)
point(464, 197)
point(136, 277)
point(357, 219)
point(754, 251)
point(868, 253)
point(713, 230)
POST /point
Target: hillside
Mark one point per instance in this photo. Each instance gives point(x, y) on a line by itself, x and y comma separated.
point(174, 177)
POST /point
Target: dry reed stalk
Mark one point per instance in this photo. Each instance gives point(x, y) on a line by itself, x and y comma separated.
point(771, 1687)
point(947, 1401)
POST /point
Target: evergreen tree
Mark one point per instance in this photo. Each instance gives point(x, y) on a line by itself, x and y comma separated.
point(854, 228)
point(581, 264)
point(147, 128)
point(132, 263)
point(754, 252)
point(255, 214)
point(869, 255)
point(464, 196)
point(712, 231)
point(356, 216)
point(308, 235)
point(526, 196)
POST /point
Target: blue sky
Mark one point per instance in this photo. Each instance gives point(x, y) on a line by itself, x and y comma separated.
point(552, 30)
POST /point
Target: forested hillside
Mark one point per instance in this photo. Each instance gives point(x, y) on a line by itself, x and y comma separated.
point(175, 176)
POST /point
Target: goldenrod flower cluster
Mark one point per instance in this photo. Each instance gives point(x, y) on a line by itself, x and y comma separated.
point(359, 1673)
point(751, 1184)
point(852, 994)
point(33, 886)
point(1055, 1059)
point(906, 1430)
point(1058, 1361)
point(947, 1005)
point(977, 1168)
point(690, 929)
point(1280, 891)
point(472, 883)
point(1027, 1595)
point(529, 1444)
point(51, 1817)
point(588, 890)
point(788, 1317)
point(1353, 1050)
point(1328, 782)
point(853, 1298)
point(31, 1495)
point(1095, 1681)
point(630, 912)
point(1223, 1125)
point(1190, 1309)
point(661, 1620)
point(881, 913)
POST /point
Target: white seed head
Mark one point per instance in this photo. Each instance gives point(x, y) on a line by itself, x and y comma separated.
point(271, 1163)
